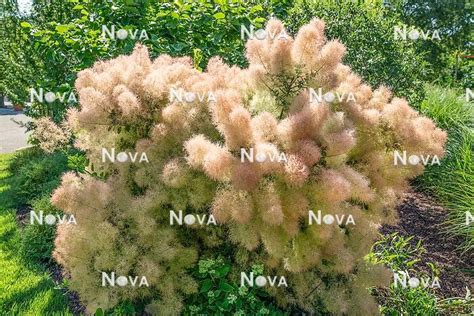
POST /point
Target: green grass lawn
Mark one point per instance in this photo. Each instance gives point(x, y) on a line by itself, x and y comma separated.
point(25, 289)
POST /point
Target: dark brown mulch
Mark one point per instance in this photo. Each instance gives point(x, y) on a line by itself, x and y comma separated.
point(23, 215)
point(424, 219)
point(73, 298)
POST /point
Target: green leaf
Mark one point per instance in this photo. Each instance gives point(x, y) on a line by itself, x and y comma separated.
point(197, 57)
point(256, 8)
point(226, 287)
point(25, 24)
point(178, 46)
point(205, 286)
point(78, 7)
point(223, 271)
point(219, 15)
point(174, 15)
point(99, 312)
point(62, 28)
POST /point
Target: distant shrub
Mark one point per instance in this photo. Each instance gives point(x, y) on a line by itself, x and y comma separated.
point(366, 29)
point(70, 34)
point(50, 136)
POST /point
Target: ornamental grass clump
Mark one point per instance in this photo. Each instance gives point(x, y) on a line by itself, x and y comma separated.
point(265, 150)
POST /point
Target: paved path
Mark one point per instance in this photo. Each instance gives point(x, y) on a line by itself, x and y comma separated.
point(12, 135)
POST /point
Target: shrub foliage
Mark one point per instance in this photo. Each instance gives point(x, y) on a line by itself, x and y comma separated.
point(333, 155)
point(36, 174)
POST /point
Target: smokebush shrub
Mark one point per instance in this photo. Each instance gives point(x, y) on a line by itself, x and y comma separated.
point(335, 155)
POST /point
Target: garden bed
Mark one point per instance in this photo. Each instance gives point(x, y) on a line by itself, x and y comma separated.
point(425, 220)
point(318, 97)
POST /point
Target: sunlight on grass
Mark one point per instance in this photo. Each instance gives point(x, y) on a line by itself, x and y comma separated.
point(24, 290)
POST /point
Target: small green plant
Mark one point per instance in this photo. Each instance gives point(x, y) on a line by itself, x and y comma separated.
point(457, 305)
point(36, 174)
point(409, 301)
point(220, 296)
point(396, 252)
point(37, 241)
point(400, 254)
point(77, 162)
point(122, 309)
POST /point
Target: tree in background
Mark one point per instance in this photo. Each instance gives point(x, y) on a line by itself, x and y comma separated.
point(366, 29)
point(60, 38)
point(447, 56)
point(16, 71)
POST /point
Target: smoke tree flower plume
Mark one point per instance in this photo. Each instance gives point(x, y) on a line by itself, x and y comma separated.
point(50, 136)
point(334, 156)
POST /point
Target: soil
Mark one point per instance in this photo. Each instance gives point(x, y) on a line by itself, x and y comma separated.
point(422, 218)
point(22, 216)
point(73, 298)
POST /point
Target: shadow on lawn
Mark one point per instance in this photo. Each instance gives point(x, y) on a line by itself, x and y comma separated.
point(26, 297)
point(31, 288)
